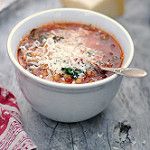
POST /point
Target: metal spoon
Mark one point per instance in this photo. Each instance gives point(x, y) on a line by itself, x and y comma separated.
point(128, 72)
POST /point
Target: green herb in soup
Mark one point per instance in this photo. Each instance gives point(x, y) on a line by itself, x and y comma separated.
point(69, 53)
point(73, 72)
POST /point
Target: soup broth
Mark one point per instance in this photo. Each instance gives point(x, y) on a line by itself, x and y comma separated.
point(69, 53)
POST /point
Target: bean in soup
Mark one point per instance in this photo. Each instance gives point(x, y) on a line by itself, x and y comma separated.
point(69, 53)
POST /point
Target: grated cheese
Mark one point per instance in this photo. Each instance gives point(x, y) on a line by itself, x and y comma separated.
point(70, 51)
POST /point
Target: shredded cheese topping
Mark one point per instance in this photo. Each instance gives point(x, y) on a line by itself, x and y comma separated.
point(62, 48)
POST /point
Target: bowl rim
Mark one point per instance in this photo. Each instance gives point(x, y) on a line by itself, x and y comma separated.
point(62, 85)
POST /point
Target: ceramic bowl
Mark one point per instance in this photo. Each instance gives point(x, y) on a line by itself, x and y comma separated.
point(68, 102)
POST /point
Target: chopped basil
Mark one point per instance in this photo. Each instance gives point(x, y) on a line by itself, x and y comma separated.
point(89, 53)
point(42, 37)
point(34, 34)
point(28, 54)
point(57, 38)
point(69, 71)
point(33, 64)
point(115, 58)
point(73, 72)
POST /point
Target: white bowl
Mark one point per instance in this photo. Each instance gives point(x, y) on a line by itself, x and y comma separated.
point(68, 102)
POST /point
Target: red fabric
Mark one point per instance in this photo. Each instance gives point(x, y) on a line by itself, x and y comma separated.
point(12, 135)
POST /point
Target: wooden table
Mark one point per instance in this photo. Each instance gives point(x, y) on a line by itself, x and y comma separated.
point(103, 132)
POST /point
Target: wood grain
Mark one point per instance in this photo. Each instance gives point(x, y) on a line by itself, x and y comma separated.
point(132, 103)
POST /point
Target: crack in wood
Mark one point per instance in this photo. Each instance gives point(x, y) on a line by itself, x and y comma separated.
point(53, 128)
point(45, 123)
point(107, 135)
point(72, 141)
point(53, 132)
point(82, 129)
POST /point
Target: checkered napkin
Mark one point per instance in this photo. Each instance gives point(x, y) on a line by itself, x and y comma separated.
point(12, 135)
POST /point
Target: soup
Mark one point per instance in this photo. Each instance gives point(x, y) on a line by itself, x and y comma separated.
point(70, 53)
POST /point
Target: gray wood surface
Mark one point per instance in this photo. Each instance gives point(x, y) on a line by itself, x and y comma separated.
point(5, 3)
point(103, 132)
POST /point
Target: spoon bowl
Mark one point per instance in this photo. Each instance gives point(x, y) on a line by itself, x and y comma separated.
point(128, 72)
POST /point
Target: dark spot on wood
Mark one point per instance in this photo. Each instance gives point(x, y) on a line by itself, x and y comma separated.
point(123, 129)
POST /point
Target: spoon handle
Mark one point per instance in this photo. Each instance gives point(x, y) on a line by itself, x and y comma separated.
point(128, 72)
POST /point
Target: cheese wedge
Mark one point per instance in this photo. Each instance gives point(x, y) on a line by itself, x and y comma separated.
point(112, 8)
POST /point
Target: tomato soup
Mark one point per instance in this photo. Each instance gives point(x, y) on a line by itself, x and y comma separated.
point(70, 53)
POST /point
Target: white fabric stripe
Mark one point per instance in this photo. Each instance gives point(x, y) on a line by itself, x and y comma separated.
point(7, 129)
point(10, 108)
point(15, 129)
point(18, 137)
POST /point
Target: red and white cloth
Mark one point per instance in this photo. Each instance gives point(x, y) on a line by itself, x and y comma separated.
point(12, 135)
